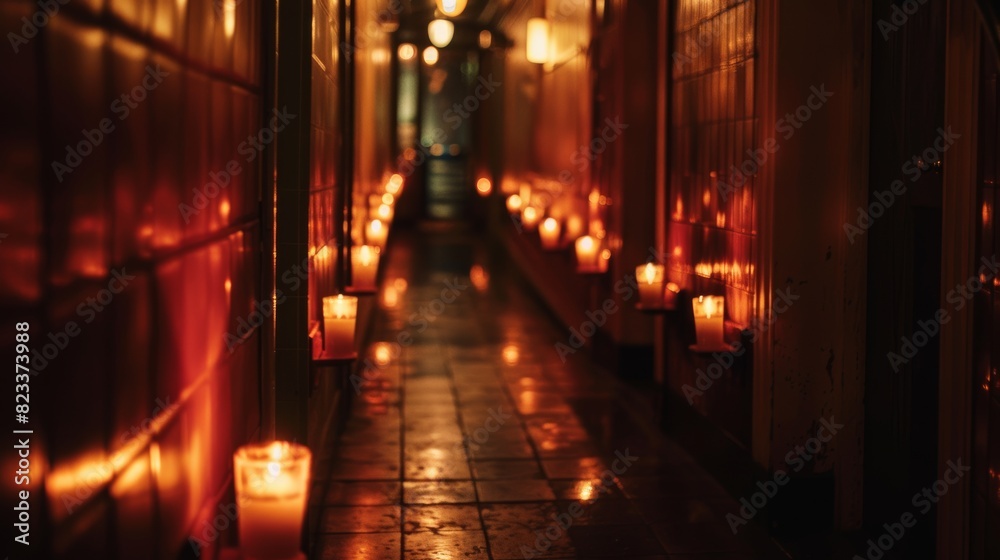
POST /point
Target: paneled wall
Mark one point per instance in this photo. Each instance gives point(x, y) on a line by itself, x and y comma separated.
point(118, 238)
point(710, 195)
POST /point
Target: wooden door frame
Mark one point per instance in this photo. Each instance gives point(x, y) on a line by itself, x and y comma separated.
point(963, 42)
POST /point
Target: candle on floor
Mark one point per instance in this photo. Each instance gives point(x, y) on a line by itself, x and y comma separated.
point(364, 266)
point(650, 280)
point(549, 233)
point(708, 321)
point(272, 485)
point(376, 233)
point(588, 254)
point(340, 314)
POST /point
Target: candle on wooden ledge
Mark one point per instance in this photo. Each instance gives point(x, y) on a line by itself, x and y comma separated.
point(376, 233)
point(272, 487)
point(670, 295)
point(549, 233)
point(514, 203)
point(590, 258)
point(650, 280)
point(385, 212)
point(484, 187)
point(709, 313)
point(340, 314)
point(364, 266)
point(530, 216)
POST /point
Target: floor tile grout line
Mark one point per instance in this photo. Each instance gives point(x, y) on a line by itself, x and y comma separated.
point(468, 455)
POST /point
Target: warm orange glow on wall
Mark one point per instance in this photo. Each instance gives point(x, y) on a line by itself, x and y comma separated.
point(511, 354)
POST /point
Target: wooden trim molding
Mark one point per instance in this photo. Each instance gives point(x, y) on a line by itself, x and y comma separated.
point(957, 265)
point(763, 356)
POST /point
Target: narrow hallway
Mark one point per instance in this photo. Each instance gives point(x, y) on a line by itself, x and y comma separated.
point(475, 440)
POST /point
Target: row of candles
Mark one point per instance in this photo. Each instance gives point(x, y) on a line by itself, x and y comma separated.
point(592, 257)
point(272, 479)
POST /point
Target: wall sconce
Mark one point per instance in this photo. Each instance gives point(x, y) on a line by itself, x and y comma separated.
point(451, 8)
point(340, 315)
point(549, 233)
point(537, 41)
point(430, 56)
point(709, 313)
point(440, 32)
point(272, 484)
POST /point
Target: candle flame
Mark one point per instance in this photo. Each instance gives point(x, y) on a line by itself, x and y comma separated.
point(649, 273)
point(484, 186)
point(587, 243)
point(366, 255)
point(550, 224)
point(514, 203)
point(673, 287)
point(383, 211)
point(388, 198)
point(375, 226)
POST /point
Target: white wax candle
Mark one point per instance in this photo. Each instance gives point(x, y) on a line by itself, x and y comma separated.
point(650, 279)
point(708, 321)
point(364, 266)
point(339, 318)
point(587, 254)
point(549, 233)
point(376, 233)
point(272, 485)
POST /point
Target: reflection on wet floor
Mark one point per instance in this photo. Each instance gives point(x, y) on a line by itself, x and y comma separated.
point(474, 440)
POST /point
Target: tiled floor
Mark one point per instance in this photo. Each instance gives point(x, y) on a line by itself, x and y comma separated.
point(476, 441)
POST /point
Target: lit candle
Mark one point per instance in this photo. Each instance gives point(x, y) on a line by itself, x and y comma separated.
point(549, 233)
point(272, 485)
point(484, 187)
point(376, 233)
point(385, 213)
point(650, 279)
point(395, 184)
point(364, 266)
point(339, 317)
point(514, 203)
point(670, 295)
point(708, 321)
point(588, 254)
point(530, 216)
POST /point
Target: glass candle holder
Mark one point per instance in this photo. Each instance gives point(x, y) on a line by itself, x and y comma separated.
point(709, 313)
point(650, 279)
point(589, 256)
point(364, 266)
point(340, 315)
point(272, 488)
point(376, 233)
point(549, 232)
